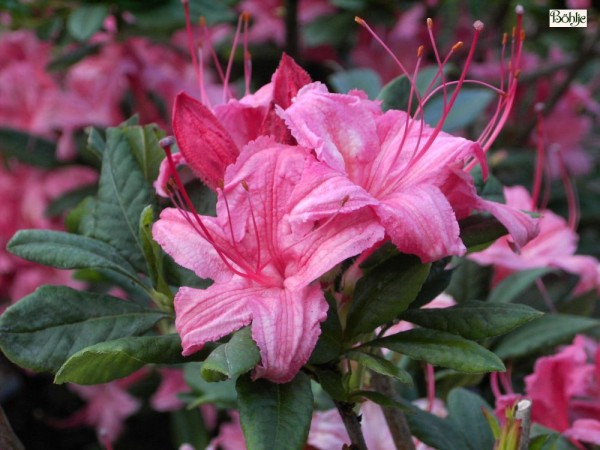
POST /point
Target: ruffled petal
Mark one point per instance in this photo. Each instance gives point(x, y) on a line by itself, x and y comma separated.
point(585, 430)
point(286, 327)
point(205, 315)
point(420, 221)
point(187, 247)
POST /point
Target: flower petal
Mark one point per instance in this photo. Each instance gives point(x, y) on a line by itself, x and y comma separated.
point(286, 327)
point(585, 430)
point(420, 221)
point(205, 144)
point(205, 315)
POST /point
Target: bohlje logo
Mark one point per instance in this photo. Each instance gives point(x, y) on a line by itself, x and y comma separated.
point(568, 18)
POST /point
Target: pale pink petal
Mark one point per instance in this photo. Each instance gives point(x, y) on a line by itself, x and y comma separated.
point(286, 326)
point(520, 226)
point(183, 242)
point(205, 315)
point(341, 128)
point(230, 435)
point(166, 396)
point(585, 430)
point(420, 221)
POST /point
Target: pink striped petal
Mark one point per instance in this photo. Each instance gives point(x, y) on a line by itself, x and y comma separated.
point(286, 327)
point(421, 221)
point(205, 315)
point(585, 430)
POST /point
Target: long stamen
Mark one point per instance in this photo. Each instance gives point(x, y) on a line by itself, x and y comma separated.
point(505, 379)
point(495, 385)
point(226, 93)
point(247, 57)
point(256, 234)
point(541, 156)
point(203, 97)
point(190, 38)
point(430, 377)
point(571, 192)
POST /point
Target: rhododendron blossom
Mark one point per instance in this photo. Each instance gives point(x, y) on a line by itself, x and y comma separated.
point(263, 268)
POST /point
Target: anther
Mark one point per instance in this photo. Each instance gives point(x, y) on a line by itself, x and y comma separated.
point(519, 10)
point(457, 46)
point(429, 23)
point(345, 200)
point(504, 38)
point(359, 21)
point(245, 185)
point(420, 51)
point(539, 107)
point(220, 184)
point(167, 141)
point(478, 25)
point(246, 16)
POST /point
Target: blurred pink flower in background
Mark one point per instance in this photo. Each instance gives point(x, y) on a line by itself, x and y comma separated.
point(555, 246)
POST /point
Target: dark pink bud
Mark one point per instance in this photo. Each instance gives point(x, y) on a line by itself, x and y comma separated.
point(287, 81)
point(205, 144)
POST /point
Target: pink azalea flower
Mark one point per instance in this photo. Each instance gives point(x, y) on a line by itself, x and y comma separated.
point(211, 140)
point(107, 407)
point(26, 193)
point(410, 173)
point(555, 246)
point(263, 269)
point(567, 384)
point(166, 397)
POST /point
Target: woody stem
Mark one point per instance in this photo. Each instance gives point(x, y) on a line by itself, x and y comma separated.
point(352, 424)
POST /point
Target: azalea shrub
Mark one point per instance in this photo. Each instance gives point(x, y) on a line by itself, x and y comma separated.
point(313, 225)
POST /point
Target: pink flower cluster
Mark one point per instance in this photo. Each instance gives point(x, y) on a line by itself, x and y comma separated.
point(306, 179)
point(565, 391)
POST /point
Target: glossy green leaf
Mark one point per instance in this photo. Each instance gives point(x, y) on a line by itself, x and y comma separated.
point(442, 349)
point(107, 361)
point(509, 289)
point(366, 80)
point(154, 255)
point(379, 398)
point(479, 232)
point(395, 94)
point(275, 416)
point(465, 411)
point(144, 144)
point(332, 382)
point(380, 365)
point(437, 281)
point(68, 251)
point(233, 358)
point(330, 343)
point(330, 29)
point(469, 281)
point(122, 195)
point(382, 294)
point(543, 333)
point(28, 148)
point(221, 394)
point(188, 427)
point(432, 430)
point(44, 329)
point(69, 200)
point(473, 319)
point(469, 105)
point(85, 20)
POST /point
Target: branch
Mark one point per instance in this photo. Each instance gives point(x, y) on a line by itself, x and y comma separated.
point(396, 420)
point(8, 438)
point(352, 424)
point(523, 413)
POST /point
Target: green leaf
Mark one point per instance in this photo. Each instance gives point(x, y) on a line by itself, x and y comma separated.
point(62, 62)
point(509, 289)
point(328, 29)
point(144, 144)
point(379, 398)
point(68, 251)
point(380, 365)
point(188, 427)
point(435, 432)
point(437, 281)
point(469, 105)
point(332, 382)
point(330, 343)
point(546, 332)
point(366, 80)
point(383, 293)
point(473, 319)
point(275, 416)
point(107, 361)
point(469, 281)
point(44, 329)
point(85, 20)
point(479, 232)
point(395, 94)
point(123, 194)
point(234, 358)
point(154, 255)
point(465, 410)
point(69, 200)
point(222, 394)
point(28, 148)
point(441, 349)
